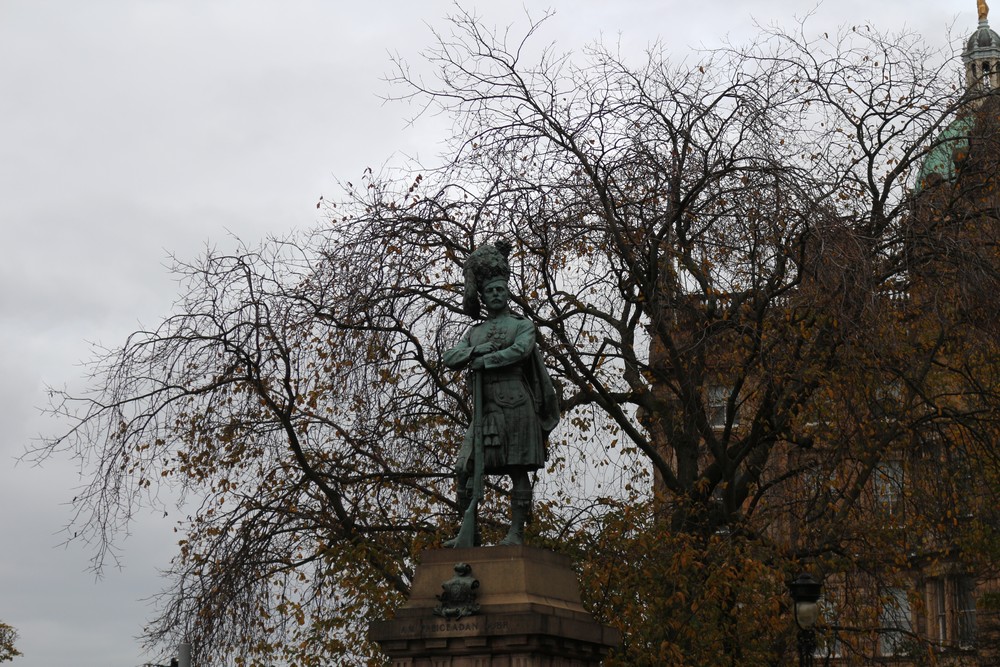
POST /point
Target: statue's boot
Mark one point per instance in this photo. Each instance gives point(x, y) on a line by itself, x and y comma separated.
point(463, 498)
point(520, 506)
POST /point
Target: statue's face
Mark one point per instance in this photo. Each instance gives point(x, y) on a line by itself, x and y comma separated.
point(495, 296)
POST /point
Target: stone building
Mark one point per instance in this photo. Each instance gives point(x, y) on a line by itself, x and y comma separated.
point(944, 610)
point(937, 608)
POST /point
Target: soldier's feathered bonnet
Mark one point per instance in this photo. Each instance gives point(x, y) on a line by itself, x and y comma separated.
point(484, 265)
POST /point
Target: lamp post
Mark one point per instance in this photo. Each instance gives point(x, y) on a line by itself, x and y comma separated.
point(805, 591)
point(184, 654)
point(183, 658)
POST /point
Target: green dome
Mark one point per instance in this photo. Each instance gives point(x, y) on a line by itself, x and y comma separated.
point(951, 146)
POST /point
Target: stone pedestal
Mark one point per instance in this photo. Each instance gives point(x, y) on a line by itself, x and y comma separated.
point(529, 615)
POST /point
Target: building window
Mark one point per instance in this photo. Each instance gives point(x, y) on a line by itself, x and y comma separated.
point(940, 610)
point(828, 644)
point(952, 610)
point(887, 487)
point(965, 612)
point(895, 625)
point(718, 401)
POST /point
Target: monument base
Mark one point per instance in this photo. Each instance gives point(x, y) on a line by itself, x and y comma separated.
point(529, 614)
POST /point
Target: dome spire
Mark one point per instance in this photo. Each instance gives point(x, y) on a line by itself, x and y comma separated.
point(982, 54)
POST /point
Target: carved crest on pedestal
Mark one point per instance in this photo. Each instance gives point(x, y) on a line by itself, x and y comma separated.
point(458, 597)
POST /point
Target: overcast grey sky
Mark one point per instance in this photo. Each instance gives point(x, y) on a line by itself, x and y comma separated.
point(134, 129)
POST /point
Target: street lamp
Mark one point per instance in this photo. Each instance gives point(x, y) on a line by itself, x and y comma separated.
point(805, 591)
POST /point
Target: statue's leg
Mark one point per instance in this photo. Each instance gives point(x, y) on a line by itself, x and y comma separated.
point(463, 498)
point(520, 506)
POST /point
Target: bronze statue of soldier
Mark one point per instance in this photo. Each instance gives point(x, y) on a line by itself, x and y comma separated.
point(515, 402)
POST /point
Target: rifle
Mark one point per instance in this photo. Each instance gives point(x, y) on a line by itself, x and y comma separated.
point(467, 534)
